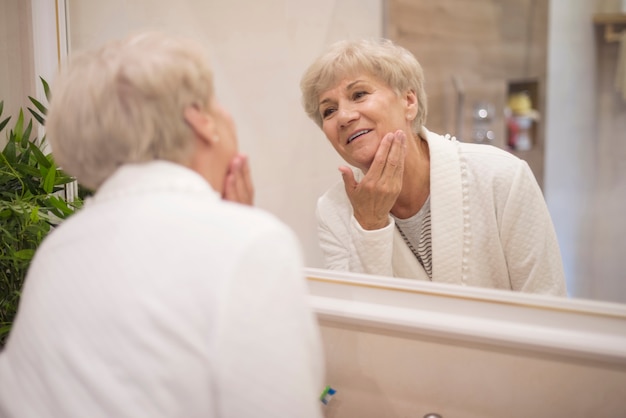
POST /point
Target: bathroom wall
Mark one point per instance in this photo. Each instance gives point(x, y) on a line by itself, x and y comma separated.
point(486, 46)
point(16, 58)
point(585, 182)
point(259, 51)
point(392, 374)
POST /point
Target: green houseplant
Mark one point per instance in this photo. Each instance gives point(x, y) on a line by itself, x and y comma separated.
point(31, 203)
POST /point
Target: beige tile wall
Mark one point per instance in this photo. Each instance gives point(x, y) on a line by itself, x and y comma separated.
point(486, 44)
point(17, 78)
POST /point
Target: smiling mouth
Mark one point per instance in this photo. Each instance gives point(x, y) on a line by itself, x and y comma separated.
point(358, 134)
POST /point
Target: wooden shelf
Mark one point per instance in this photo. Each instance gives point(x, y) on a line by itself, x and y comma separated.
point(610, 21)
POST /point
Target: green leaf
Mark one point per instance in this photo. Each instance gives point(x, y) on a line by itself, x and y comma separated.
point(62, 180)
point(42, 143)
point(27, 169)
point(41, 159)
point(9, 152)
point(28, 209)
point(38, 105)
point(4, 123)
point(26, 136)
point(48, 183)
point(24, 254)
point(4, 329)
point(34, 215)
point(25, 156)
point(37, 116)
point(9, 236)
point(61, 205)
point(19, 126)
point(46, 88)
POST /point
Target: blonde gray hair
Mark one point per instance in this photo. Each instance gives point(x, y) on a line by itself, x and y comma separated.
point(381, 58)
point(123, 103)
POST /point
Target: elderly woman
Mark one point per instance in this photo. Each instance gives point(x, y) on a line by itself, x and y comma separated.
point(164, 296)
point(420, 205)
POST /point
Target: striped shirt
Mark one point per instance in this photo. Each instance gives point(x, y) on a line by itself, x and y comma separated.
point(416, 232)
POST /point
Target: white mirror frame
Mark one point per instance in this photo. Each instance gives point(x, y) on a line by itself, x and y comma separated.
point(566, 327)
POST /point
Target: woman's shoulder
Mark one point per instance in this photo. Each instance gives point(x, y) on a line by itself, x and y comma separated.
point(495, 168)
point(487, 150)
point(446, 144)
point(482, 157)
point(489, 157)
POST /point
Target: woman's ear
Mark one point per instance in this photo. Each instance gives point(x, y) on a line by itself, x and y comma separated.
point(411, 104)
point(201, 123)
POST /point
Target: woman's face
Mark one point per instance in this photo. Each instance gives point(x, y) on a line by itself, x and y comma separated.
point(358, 112)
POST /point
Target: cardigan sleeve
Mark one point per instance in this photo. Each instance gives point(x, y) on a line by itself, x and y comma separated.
point(529, 239)
point(346, 246)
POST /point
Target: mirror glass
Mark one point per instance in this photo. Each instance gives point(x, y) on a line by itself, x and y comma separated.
point(475, 59)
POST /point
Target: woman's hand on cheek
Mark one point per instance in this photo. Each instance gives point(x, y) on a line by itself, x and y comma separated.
point(238, 183)
point(373, 198)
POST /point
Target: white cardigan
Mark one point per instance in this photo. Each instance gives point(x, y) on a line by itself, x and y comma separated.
point(490, 225)
point(160, 299)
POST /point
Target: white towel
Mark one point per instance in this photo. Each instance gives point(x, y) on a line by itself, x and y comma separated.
point(620, 74)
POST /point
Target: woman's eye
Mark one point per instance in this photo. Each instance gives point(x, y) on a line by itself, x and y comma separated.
point(358, 94)
point(327, 112)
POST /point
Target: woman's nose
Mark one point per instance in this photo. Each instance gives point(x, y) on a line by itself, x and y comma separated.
point(347, 115)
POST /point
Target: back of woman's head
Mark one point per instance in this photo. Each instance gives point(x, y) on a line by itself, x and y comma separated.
point(380, 58)
point(123, 103)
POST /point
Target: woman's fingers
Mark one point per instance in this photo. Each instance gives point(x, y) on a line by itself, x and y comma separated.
point(389, 159)
point(373, 197)
point(348, 179)
point(389, 163)
point(394, 167)
point(243, 180)
point(247, 179)
point(238, 183)
point(380, 158)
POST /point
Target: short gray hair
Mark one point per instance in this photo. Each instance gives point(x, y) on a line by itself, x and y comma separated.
point(124, 102)
point(380, 58)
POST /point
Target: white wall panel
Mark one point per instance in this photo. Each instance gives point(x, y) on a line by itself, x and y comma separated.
point(259, 51)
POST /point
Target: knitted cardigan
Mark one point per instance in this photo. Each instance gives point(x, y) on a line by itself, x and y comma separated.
point(490, 225)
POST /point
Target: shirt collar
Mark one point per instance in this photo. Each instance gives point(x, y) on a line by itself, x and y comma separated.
point(152, 177)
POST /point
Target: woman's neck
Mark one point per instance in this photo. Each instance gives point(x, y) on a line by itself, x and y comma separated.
point(416, 180)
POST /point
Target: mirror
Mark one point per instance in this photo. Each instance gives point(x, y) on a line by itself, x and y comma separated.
point(260, 49)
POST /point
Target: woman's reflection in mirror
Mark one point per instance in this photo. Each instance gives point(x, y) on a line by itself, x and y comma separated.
point(413, 203)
